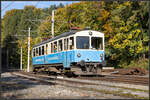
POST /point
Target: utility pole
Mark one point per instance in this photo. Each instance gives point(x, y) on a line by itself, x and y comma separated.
point(21, 59)
point(52, 28)
point(7, 59)
point(28, 66)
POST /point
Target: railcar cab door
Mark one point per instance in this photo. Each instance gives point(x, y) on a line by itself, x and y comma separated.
point(68, 46)
point(89, 45)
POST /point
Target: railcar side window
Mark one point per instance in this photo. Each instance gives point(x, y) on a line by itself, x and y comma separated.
point(55, 47)
point(39, 51)
point(97, 43)
point(52, 49)
point(49, 48)
point(71, 43)
point(42, 50)
point(82, 42)
point(46, 48)
point(60, 45)
point(66, 43)
point(33, 52)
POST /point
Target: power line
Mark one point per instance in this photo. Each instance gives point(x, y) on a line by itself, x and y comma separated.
point(8, 5)
point(37, 25)
point(31, 22)
point(37, 3)
point(41, 20)
point(25, 30)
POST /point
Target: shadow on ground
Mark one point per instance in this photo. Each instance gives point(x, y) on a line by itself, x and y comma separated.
point(11, 84)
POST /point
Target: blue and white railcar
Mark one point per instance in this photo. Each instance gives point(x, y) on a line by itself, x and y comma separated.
point(75, 49)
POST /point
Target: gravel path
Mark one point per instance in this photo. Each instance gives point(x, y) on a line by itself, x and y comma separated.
point(20, 88)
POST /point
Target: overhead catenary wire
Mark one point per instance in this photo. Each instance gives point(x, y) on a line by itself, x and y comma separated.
point(28, 64)
point(8, 5)
point(47, 20)
point(37, 3)
point(37, 25)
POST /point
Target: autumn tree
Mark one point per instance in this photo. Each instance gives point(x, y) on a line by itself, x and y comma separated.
point(124, 24)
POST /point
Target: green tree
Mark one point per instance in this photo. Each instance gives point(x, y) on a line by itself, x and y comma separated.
point(125, 25)
point(11, 21)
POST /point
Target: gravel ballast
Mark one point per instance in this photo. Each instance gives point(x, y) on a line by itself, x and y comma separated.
point(21, 88)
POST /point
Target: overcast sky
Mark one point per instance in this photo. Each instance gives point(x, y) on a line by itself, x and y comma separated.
point(8, 5)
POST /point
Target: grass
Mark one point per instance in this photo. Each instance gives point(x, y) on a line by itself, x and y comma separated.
point(115, 93)
point(133, 89)
point(119, 93)
point(141, 63)
point(11, 85)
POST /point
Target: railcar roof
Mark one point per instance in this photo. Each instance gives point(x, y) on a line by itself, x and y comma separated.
point(57, 37)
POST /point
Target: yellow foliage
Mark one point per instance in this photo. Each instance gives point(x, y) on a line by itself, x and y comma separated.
point(113, 57)
point(121, 28)
point(130, 36)
point(60, 10)
point(147, 48)
point(127, 3)
point(104, 14)
point(117, 19)
point(103, 3)
point(136, 24)
point(139, 48)
point(107, 28)
point(125, 43)
point(137, 32)
point(131, 50)
point(115, 39)
point(34, 11)
point(125, 29)
point(9, 13)
point(117, 45)
point(119, 6)
point(123, 23)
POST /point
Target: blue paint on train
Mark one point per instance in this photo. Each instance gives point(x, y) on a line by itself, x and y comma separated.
point(38, 60)
point(67, 57)
point(89, 55)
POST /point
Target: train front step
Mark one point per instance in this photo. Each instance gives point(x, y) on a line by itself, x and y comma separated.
point(79, 71)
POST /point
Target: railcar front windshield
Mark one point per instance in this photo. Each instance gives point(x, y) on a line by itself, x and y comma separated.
point(97, 43)
point(82, 42)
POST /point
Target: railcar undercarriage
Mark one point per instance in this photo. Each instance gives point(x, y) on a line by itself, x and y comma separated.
point(81, 68)
point(87, 68)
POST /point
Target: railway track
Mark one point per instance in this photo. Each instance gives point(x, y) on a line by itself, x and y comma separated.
point(80, 83)
point(137, 80)
point(42, 77)
point(125, 79)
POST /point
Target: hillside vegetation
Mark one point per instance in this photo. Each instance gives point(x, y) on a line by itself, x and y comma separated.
point(125, 25)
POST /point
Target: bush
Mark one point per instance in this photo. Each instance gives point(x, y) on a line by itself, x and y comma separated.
point(141, 63)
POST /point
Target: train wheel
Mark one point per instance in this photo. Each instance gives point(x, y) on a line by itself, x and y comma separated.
point(94, 70)
point(34, 70)
point(99, 70)
point(90, 68)
point(70, 74)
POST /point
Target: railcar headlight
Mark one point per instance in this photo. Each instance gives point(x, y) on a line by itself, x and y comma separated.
point(101, 55)
point(90, 33)
point(78, 55)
